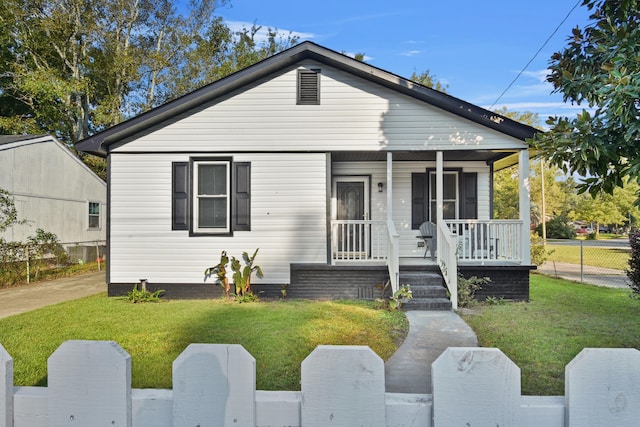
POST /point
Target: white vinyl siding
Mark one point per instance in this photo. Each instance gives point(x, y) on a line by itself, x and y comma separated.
point(51, 189)
point(288, 223)
point(354, 115)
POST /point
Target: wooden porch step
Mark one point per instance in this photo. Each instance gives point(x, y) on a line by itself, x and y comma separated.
point(428, 290)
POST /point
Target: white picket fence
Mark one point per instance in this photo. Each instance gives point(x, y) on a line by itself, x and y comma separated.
point(89, 384)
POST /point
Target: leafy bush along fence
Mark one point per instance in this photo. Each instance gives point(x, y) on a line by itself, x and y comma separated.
point(214, 385)
point(24, 262)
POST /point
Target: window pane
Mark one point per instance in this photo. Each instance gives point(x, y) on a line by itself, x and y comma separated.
point(212, 179)
point(212, 213)
point(94, 208)
point(449, 186)
point(94, 221)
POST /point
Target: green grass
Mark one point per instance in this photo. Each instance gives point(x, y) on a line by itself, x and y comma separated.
point(279, 335)
point(562, 318)
point(593, 256)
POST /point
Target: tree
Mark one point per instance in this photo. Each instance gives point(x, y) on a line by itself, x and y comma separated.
point(600, 67)
point(429, 80)
point(74, 67)
point(609, 209)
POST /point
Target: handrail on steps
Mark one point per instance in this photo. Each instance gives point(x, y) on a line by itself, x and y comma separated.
point(393, 256)
point(448, 261)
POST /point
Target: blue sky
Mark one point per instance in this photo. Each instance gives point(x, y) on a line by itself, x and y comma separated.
point(476, 47)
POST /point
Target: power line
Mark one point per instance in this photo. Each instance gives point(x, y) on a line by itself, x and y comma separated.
point(535, 55)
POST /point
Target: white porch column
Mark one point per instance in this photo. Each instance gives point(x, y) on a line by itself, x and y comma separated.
point(439, 185)
point(525, 206)
point(390, 186)
point(439, 196)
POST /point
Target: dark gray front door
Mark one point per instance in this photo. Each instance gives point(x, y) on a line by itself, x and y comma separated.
point(352, 204)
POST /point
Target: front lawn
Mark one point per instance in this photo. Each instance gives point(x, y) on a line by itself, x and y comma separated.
point(562, 318)
point(278, 334)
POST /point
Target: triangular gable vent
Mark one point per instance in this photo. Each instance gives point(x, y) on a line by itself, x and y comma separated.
point(308, 87)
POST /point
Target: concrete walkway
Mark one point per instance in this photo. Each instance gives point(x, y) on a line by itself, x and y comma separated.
point(430, 333)
point(25, 298)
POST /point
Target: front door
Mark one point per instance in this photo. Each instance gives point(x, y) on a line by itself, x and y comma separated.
point(352, 204)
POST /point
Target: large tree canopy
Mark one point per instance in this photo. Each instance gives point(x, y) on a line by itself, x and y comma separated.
point(75, 67)
point(599, 68)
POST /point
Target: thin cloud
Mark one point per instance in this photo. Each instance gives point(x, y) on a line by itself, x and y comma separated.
point(411, 53)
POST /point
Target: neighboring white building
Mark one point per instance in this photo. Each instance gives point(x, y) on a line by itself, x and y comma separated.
point(326, 164)
point(52, 189)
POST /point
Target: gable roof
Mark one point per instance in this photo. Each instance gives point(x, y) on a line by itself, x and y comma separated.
point(98, 144)
point(8, 139)
point(9, 142)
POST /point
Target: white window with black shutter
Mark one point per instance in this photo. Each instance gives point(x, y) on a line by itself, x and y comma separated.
point(211, 196)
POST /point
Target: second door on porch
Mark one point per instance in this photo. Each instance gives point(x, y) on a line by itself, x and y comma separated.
point(352, 204)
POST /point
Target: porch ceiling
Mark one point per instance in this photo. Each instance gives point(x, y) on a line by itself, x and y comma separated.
point(487, 156)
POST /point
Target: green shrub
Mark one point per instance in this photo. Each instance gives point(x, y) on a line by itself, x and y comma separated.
point(538, 252)
point(139, 296)
point(558, 228)
point(468, 287)
point(633, 273)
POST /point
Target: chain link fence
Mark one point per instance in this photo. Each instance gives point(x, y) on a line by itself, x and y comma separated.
point(596, 262)
point(25, 262)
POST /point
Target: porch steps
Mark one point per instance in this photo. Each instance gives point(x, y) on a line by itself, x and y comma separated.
point(429, 292)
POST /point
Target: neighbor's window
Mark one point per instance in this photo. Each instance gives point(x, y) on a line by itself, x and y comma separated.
point(211, 198)
point(94, 215)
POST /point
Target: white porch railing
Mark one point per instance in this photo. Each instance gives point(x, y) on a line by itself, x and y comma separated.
point(355, 240)
point(486, 240)
point(448, 262)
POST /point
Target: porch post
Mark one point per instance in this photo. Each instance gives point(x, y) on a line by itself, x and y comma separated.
point(389, 186)
point(439, 184)
point(439, 196)
point(525, 206)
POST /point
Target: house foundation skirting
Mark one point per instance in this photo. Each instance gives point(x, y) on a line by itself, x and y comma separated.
point(192, 290)
point(322, 281)
point(509, 282)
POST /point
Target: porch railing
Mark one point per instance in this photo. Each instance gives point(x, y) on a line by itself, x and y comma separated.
point(448, 261)
point(480, 240)
point(359, 240)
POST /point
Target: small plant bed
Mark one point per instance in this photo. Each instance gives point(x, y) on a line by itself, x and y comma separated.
point(280, 335)
point(561, 319)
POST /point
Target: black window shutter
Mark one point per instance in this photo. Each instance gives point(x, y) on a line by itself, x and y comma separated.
point(469, 196)
point(241, 196)
point(418, 199)
point(180, 196)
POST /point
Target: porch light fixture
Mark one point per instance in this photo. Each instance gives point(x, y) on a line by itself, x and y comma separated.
point(380, 185)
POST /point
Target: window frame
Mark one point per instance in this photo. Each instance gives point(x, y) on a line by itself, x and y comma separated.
point(92, 215)
point(195, 197)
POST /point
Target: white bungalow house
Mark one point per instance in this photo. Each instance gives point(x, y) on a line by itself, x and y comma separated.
point(326, 164)
point(53, 190)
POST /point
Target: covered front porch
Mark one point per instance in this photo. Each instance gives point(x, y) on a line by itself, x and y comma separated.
point(472, 245)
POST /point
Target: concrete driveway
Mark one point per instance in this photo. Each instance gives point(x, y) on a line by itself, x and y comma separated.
point(25, 298)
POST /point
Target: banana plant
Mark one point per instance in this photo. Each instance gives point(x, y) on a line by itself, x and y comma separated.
point(220, 271)
point(242, 276)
